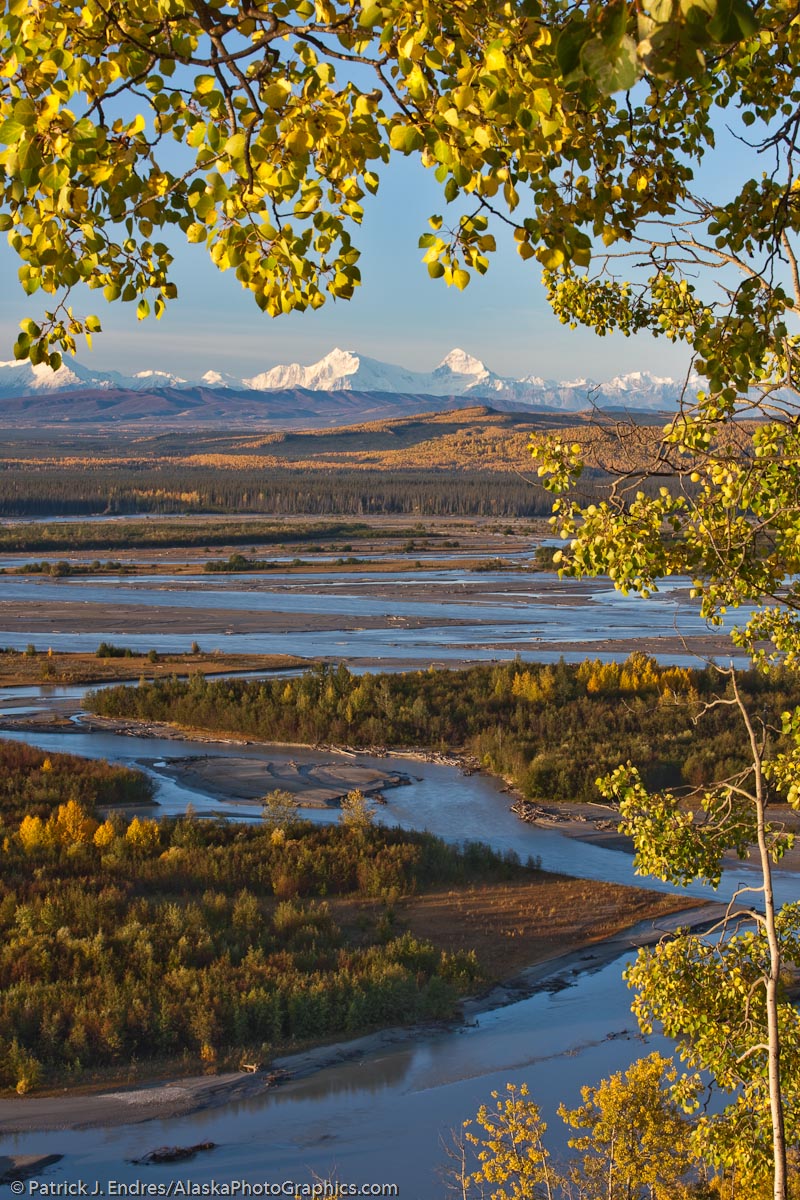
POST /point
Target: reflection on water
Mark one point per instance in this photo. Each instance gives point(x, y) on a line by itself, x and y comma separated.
point(380, 1119)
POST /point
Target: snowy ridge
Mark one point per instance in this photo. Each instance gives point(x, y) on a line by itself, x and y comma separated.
point(458, 374)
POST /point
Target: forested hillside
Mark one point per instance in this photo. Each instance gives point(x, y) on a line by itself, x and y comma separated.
point(406, 465)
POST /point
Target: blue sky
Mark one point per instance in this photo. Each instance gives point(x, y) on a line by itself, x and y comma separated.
point(398, 315)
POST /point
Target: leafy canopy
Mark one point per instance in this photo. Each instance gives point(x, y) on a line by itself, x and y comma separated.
point(257, 127)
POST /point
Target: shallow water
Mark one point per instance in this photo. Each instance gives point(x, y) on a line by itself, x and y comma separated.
point(382, 1118)
point(378, 1120)
point(511, 613)
point(439, 799)
point(192, 554)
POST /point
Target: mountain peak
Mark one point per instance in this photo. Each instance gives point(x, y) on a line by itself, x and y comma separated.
point(41, 377)
point(334, 372)
point(461, 363)
point(340, 358)
point(636, 380)
point(164, 378)
point(220, 379)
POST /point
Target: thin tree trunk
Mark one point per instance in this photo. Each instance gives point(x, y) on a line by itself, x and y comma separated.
point(543, 1154)
point(773, 1034)
point(773, 976)
point(610, 1190)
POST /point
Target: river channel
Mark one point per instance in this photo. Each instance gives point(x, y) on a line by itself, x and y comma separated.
point(378, 1118)
point(412, 617)
point(381, 1117)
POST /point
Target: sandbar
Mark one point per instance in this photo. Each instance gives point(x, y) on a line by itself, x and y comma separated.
point(42, 617)
point(245, 780)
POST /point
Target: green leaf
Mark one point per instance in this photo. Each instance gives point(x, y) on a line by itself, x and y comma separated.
point(568, 47)
point(24, 111)
point(612, 68)
point(53, 176)
point(745, 17)
point(405, 139)
point(234, 147)
point(733, 20)
point(11, 131)
point(370, 16)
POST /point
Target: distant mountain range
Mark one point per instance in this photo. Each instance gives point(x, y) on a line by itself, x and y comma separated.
point(352, 386)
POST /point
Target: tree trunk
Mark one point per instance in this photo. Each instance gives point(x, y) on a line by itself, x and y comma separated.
point(773, 1034)
point(773, 976)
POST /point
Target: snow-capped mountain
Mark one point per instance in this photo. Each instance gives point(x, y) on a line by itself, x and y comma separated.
point(18, 379)
point(345, 370)
point(339, 371)
point(219, 379)
point(459, 374)
point(144, 380)
point(22, 379)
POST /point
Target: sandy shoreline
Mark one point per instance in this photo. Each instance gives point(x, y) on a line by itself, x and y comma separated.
point(322, 785)
point(122, 1105)
point(177, 1098)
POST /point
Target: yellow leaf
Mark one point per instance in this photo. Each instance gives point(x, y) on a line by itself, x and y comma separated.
point(299, 141)
point(276, 94)
point(550, 257)
point(495, 59)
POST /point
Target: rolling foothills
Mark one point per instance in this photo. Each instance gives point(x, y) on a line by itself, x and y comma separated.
point(469, 463)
